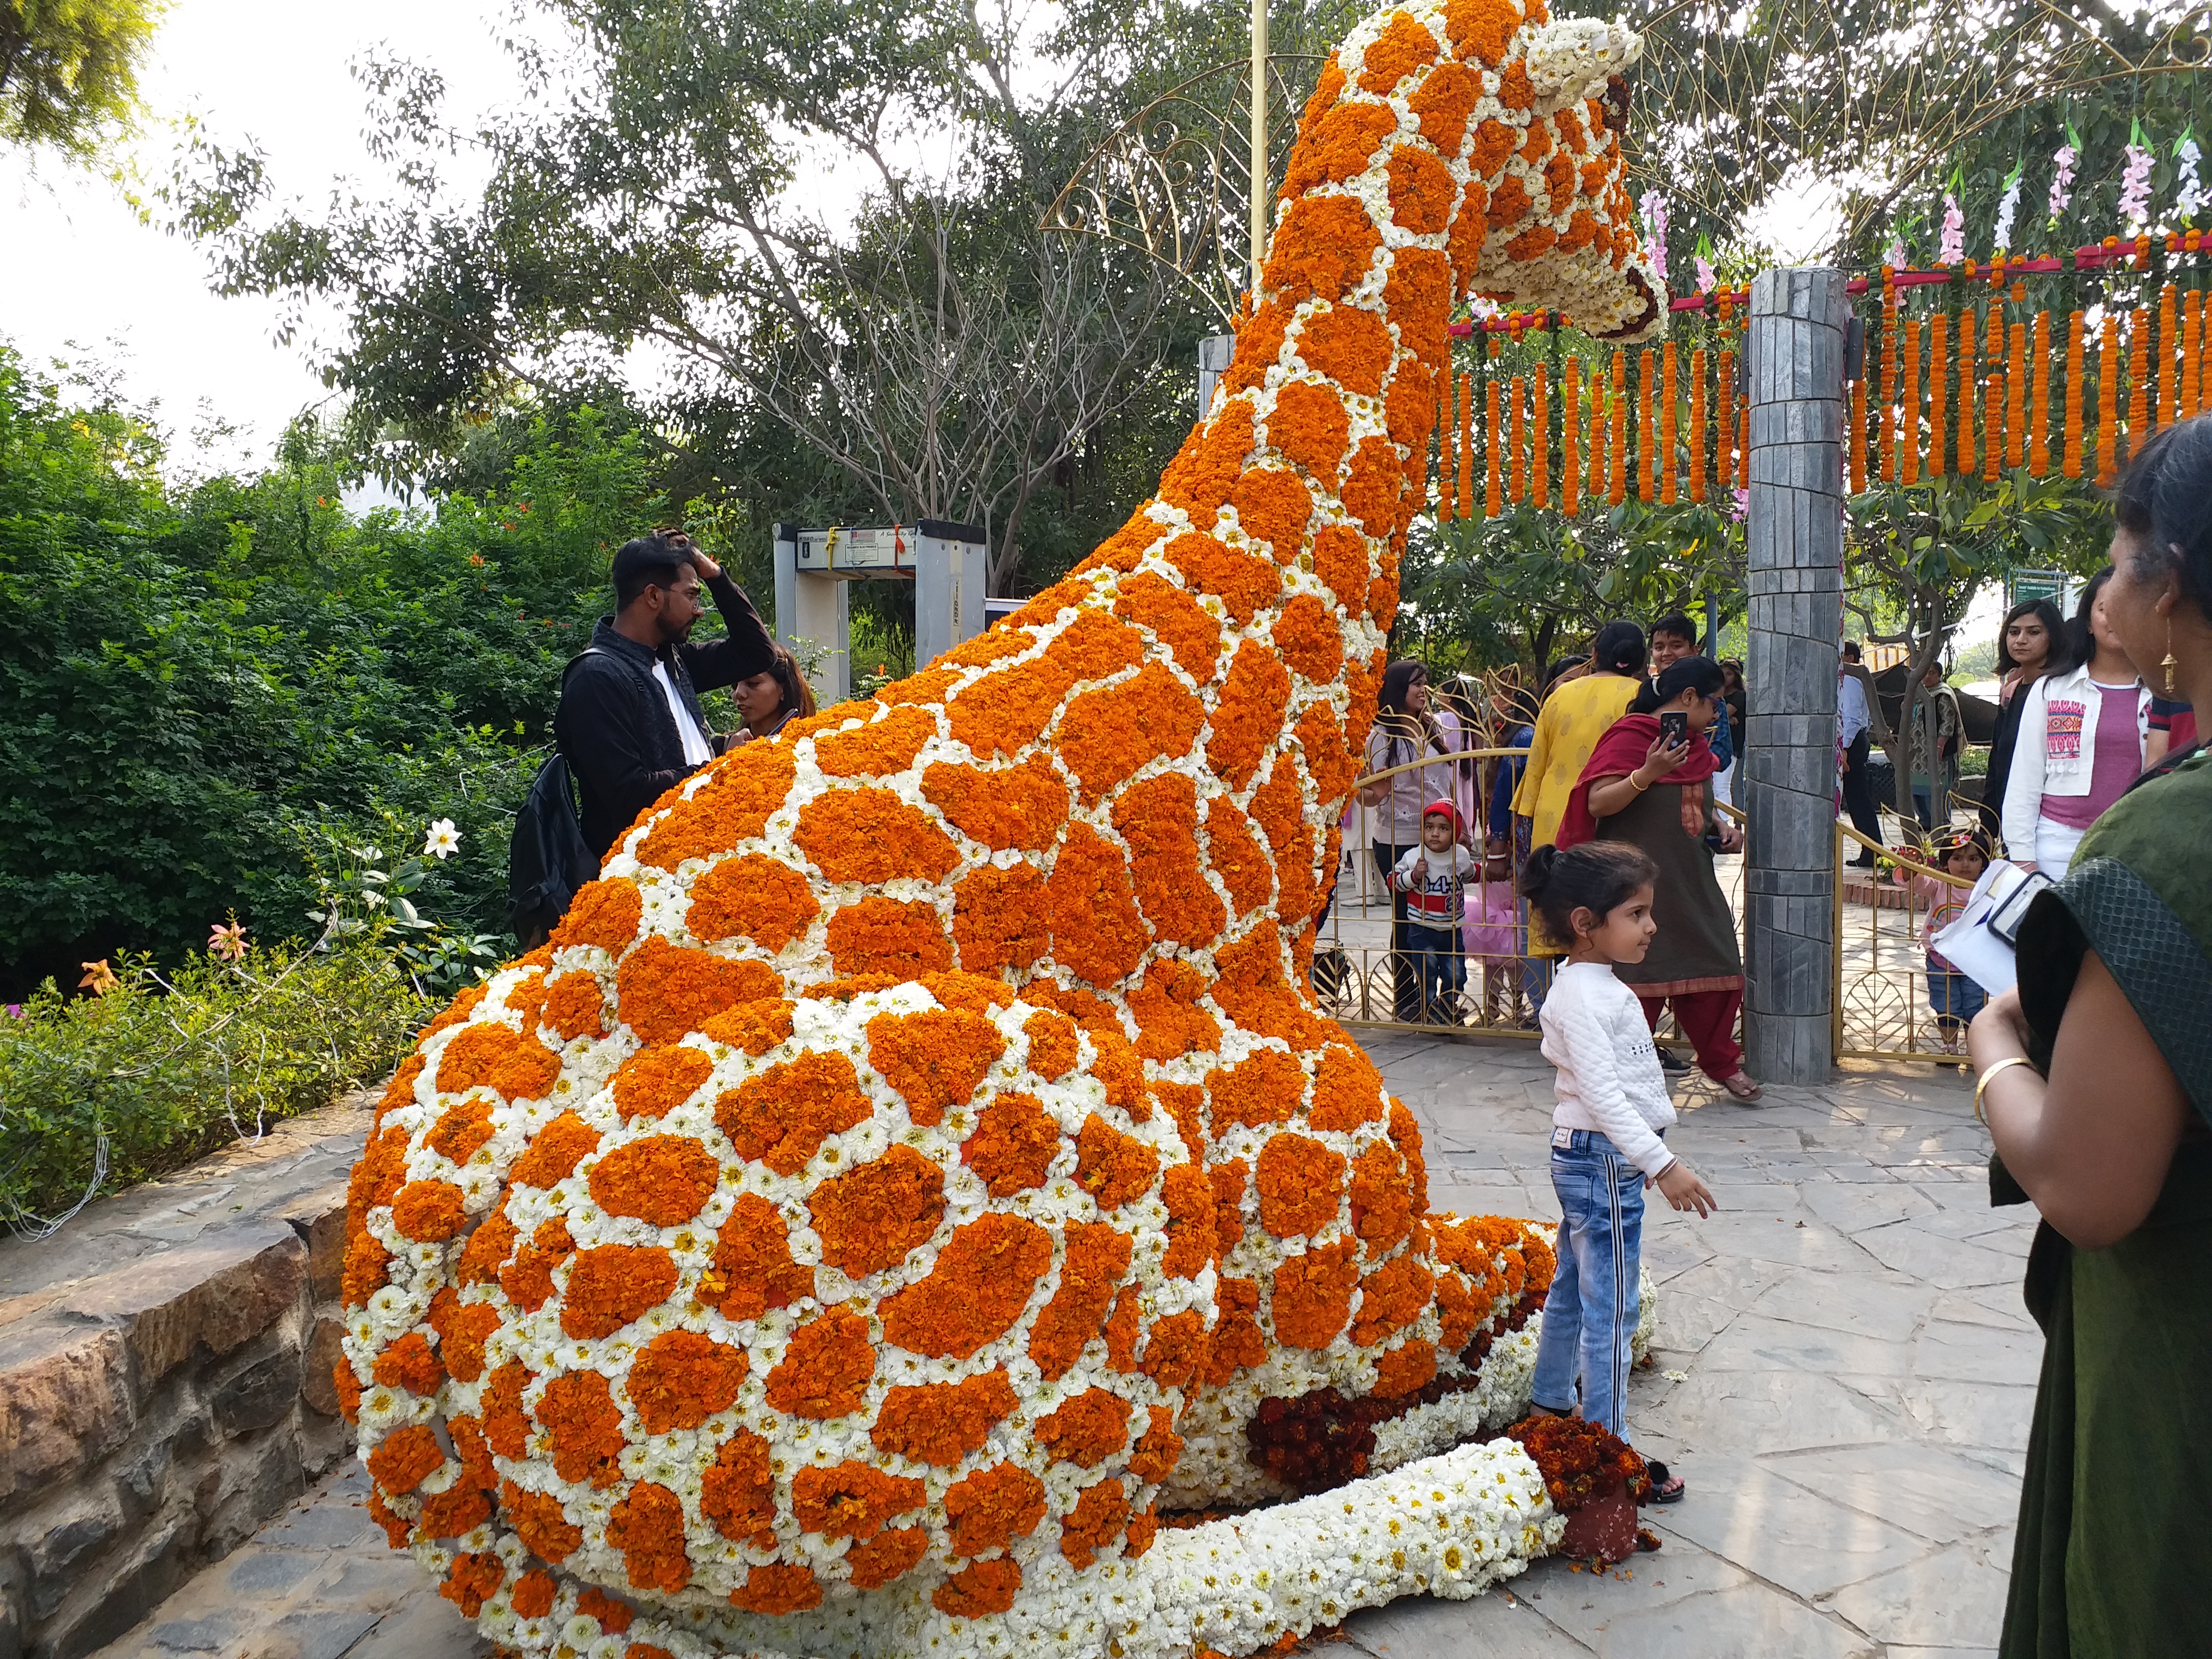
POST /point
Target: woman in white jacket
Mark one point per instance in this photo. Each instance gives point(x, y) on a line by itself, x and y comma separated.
point(2081, 743)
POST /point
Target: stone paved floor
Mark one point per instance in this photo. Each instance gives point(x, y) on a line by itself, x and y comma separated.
point(1844, 1378)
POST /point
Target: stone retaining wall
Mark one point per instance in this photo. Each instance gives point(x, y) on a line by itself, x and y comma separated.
point(165, 1381)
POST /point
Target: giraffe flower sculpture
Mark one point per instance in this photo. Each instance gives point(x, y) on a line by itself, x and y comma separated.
point(916, 1159)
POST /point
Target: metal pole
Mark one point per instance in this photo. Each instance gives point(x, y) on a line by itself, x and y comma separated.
point(1794, 539)
point(1259, 141)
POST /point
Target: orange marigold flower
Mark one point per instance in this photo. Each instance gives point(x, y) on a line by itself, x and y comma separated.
point(654, 1082)
point(667, 991)
point(1350, 345)
point(512, 1065)
point(584, 1426)
point(606, 914)
point(458, 1133)
point(613, 1616)
point(853, 1500)
point(472, 1580)
point(755, 1027)
point(1229, 1181)
point(1170, 1022)
point(885, 936)
point(754, 896)
point(1456, 1312)
point(1237, 1340)
point(1259, 347)
point(1417, 296)
point(554, 1152)
point(983, 1280)
point(1337, 147)
point(1508, 203)
point(1235, 854)
point(1328, 756)
point(533, 1596)
point(505, 1427)
point(1097, 932)
point(1406, 1136)
point(1243, 582)
point(1112, 1167)
point(1481, 29)
point(575, 1006)
point(1188, 1196)
point(1404, 1371)
point(934, 1059)
point(1321, 249)
point(1107, 735)
point(1310, 426)
point(410, 1364)
point(1306, 633)
point(1516, 90)
point(885, 745)
point(1313, 1295)
point(428, 1212)
point(823, 1371)
point(1004, 807)
point(985, 1587)
point(1053, 1050)
point(611, 1285)
point(782, 1116)
point(396, 1526)
point(528, 1279)
point(993, 1507)
point(1273, 507)
point(886, 1556)
point(752, 1270)
point(1155, 1455)
point(1158, 820)
point(400, 1092)
point(1341, 559)
point(1087, 1429)
point(1248, 713)
point(1264, 1088)
point(1175, 1349)
point(1371, 493)
point(738, 1493)
point(1100, 1513)
point(405, 1459)
point(542, 1525)
point(1347, 1089)
point(870, 836)
point(463, 1330)
point(1200, 477)
point(742, 792)
point(1014, 1143)
point(1391, 1297)
point(1403, 47)
point(1097, 1256)
point(456, 1011)
point(680, 1379)
point(1444, 100)
point(665, 1180)
point(870, 1218)
point(1000, 918)
point(776, 1588)
point(1153, 602)
point(646, 1650)
point(1143, 1528)
point(1381, 1208)
point(942, 1424)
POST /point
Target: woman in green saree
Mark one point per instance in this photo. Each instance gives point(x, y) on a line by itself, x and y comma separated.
point(2096, 1076)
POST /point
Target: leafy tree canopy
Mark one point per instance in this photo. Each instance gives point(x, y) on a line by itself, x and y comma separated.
point(69, 71)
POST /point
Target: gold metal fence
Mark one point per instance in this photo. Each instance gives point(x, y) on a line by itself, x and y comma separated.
point(1890, 1002)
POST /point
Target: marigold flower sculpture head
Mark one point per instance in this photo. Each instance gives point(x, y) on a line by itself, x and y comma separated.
point(916, 1158)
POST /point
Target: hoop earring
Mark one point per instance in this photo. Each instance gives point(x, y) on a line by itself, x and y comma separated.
point(2168, 664)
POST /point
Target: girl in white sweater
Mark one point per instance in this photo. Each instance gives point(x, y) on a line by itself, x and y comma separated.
point(1607, 1144)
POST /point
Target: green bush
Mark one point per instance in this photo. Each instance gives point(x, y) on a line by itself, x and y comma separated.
point(100, 1092)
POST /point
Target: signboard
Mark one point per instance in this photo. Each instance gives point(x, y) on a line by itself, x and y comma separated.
point(884, 549)
point(2039, 584)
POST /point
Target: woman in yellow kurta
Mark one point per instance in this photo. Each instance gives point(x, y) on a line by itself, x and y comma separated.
point(1574, 716)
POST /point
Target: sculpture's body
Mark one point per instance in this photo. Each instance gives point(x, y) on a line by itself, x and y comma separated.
point(917, 1155)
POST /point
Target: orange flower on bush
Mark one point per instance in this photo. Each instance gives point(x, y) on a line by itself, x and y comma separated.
point(654, 1082)
point(410, 1364)
point(1015, 1142)
point(584, 1426)
point(539, 1522)
point(824, 1370)
point(987, 1586)
point(765, 901)
point(853, 1500)
point(783, 1115)
point(934, 1058)
point(1313, 1295)
point(662, 1179)
point(1262, 1090)
point(667, 992)
point(647, 1528)
point(1099, 1514)
point(554, 1152)
point(1000, 918)
point(680, 1379)
point(738, 1493)
point(1004, 807)
point(1171, 1023)
point(752, 1270)
point(983, 1278)
point(406, 1458)
point(1242, 582)
point(512, 1065)
point(1095, 930)
point(1404, 1370)
point(472, 1581)
point(943, 1422)
point(1337, 147)
point(1107, 735)
point(1175, 1349)
point(741, 793)
point(903, 940)
point(1307, 636)
point(606, 912)
point(1112, 1167)
point(1238, 1341)
point(1391, 1297)
point(528, 1279)
point(1301, 1183)
point(870, 836)
point(611, 1285)
point(428, 1212)
point(870, 1219)
point(774, 1587)
point(882, 746)
point(1248, 713)
point(886, 1556)
point(993, 1507)
point(1273, 507)
point(1310, 426)
point(1086, 1430)
point(458, 1133)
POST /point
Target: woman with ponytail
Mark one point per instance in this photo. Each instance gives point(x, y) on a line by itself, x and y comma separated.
point(1643, 787)
point(1406, 730)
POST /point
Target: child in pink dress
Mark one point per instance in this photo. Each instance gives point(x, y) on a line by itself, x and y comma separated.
point(1954, 998)
point(1493, 934)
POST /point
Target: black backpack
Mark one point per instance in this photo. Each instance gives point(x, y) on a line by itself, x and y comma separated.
point(548, 862)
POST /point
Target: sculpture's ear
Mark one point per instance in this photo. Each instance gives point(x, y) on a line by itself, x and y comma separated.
point(1571, 58)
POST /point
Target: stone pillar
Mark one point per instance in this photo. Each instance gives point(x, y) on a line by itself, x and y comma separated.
point(1795, 536)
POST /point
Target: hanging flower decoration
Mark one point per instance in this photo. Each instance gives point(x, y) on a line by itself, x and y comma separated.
point(916, 1159)
point(2188, 191)
point(2063, 162)
point(2008, 209)
point(1952, 250)
point(2135, 183)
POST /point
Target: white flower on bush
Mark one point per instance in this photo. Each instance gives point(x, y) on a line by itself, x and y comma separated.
point(443, 841)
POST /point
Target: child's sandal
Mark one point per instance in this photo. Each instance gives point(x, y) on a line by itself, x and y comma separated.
point(1666, 1487)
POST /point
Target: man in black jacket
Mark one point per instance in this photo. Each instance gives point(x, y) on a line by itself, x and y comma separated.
point(629, 724)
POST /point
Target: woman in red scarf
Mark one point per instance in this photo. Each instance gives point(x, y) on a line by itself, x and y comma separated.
point(1657, 797)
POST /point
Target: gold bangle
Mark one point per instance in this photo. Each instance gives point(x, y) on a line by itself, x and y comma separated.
point(1638, 787)
point(1983, 1082)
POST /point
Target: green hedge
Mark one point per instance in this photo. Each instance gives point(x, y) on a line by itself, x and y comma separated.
point(100, 1092)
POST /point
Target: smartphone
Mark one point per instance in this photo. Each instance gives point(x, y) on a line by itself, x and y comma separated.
point(1675, 726)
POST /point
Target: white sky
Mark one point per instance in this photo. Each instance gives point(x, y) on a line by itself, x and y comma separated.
point(81, 268)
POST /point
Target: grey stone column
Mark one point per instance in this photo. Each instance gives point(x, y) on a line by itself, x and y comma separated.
point(1795, 535)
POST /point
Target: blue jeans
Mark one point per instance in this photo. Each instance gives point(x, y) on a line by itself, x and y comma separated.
point(1590, 1313)
point(1443, 967)
point(1955, 999)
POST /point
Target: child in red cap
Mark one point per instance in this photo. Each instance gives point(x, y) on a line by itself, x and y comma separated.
point(1433, 878)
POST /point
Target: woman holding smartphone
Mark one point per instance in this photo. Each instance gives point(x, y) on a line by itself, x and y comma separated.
point(1650, 783)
